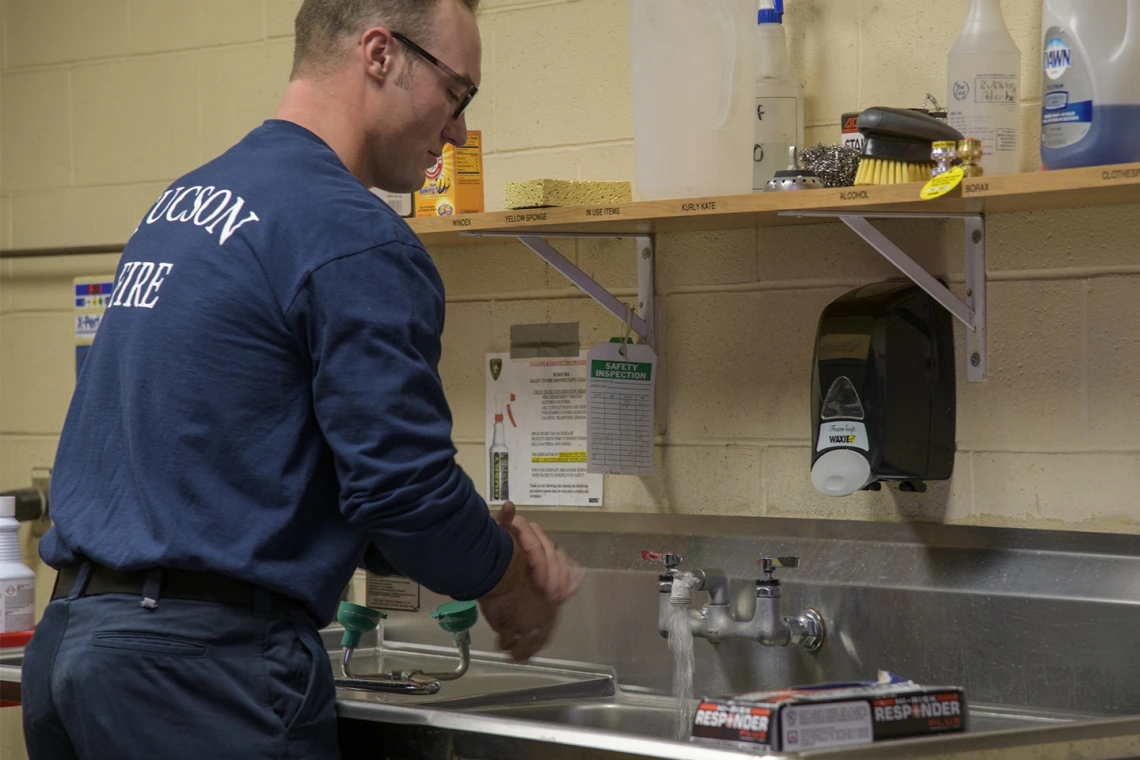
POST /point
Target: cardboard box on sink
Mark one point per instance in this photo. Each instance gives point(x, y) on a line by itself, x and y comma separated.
point(831, 715)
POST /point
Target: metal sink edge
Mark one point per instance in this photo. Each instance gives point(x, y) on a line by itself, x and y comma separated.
point(1096, 738)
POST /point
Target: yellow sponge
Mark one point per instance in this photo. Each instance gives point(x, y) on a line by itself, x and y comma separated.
point(562, 192)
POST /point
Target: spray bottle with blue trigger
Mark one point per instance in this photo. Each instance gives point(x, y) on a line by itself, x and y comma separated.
point(500, 470)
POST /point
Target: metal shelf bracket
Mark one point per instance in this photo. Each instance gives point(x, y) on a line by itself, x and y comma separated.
point(641, 320)
point(972, 311)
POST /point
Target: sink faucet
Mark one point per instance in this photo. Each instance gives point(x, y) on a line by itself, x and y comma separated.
point(716, 620)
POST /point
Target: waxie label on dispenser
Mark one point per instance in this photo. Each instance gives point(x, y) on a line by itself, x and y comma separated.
point(835, 435)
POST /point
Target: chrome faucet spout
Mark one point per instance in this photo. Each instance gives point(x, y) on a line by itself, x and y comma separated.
point(718, 620)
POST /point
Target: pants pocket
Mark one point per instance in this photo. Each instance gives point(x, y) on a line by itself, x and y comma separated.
point(149, 643)
point(294, 660)
point(318, 658)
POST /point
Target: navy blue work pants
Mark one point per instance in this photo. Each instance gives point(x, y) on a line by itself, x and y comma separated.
point(105, 678)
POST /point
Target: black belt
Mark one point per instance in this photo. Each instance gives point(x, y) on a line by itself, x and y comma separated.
point(176, 584)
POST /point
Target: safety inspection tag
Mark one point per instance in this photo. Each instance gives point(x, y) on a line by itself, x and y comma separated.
point(619, 409)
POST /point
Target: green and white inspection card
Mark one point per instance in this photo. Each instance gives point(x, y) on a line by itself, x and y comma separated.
point(619, 409)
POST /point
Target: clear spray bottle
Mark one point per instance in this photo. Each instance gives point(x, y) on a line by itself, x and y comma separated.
point(778, 121)
point(983, 71)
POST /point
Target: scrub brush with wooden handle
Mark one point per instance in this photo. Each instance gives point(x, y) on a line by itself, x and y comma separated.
point(898, 145)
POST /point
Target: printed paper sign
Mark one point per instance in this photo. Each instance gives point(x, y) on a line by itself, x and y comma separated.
point(536, 432)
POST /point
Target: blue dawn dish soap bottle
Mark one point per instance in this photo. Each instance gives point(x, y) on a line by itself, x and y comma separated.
point(1090, 113)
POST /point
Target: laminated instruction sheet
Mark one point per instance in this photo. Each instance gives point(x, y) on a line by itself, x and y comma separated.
point(536, 432)
point(619, 409)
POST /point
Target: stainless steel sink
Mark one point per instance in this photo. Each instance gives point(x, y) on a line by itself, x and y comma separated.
point(10, 675)
point(491, 678)
point(628, 726)
point(640, 715)
point(646, 715)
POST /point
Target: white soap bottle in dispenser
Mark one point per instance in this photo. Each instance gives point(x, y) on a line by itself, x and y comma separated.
point(778, 121)
point(983, 73)
point(17, 580)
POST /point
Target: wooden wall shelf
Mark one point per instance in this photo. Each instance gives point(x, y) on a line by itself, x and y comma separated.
point(1071, 188)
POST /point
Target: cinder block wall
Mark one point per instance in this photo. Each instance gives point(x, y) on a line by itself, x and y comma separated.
point(103, 102)
point(106, 101)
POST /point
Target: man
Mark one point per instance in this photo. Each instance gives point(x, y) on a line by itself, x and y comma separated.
point(261, 413)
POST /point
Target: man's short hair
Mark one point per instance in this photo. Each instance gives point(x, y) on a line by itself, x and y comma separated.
point(326, 28)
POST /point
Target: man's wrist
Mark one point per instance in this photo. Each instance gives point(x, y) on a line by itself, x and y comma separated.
point(515, 573)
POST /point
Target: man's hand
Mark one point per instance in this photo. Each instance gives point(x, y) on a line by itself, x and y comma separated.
point(523, 608)
point(554, 572)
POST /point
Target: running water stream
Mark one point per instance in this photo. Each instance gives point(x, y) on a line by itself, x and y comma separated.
point(681, 645)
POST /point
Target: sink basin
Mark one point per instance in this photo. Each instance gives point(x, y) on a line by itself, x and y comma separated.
point(641, 725)
point(639, 715)
point(645, 715)
point(490, 679)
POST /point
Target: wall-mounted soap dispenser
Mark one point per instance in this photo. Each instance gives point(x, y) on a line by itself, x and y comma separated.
point(883, 391)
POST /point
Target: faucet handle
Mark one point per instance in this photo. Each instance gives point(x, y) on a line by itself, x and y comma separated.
point(671, 560)
point(769, 587)
point(769, 564)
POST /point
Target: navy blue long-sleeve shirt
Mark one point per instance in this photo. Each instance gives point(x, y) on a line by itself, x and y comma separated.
point(262, 398)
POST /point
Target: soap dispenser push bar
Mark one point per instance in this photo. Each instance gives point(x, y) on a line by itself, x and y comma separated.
point(972, 311)
point(716, 621)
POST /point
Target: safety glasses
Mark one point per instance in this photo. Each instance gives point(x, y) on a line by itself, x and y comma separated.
point(468, 86)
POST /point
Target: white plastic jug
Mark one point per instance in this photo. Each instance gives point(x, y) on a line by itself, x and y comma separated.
point(692, 63)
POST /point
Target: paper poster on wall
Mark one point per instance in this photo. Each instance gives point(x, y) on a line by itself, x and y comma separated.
point(536, 432)
point(92, 295)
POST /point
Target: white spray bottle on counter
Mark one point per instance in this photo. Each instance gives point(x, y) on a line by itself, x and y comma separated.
point(779, 116)
point(17, 580)
point(500, 455)
point(983, 73)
